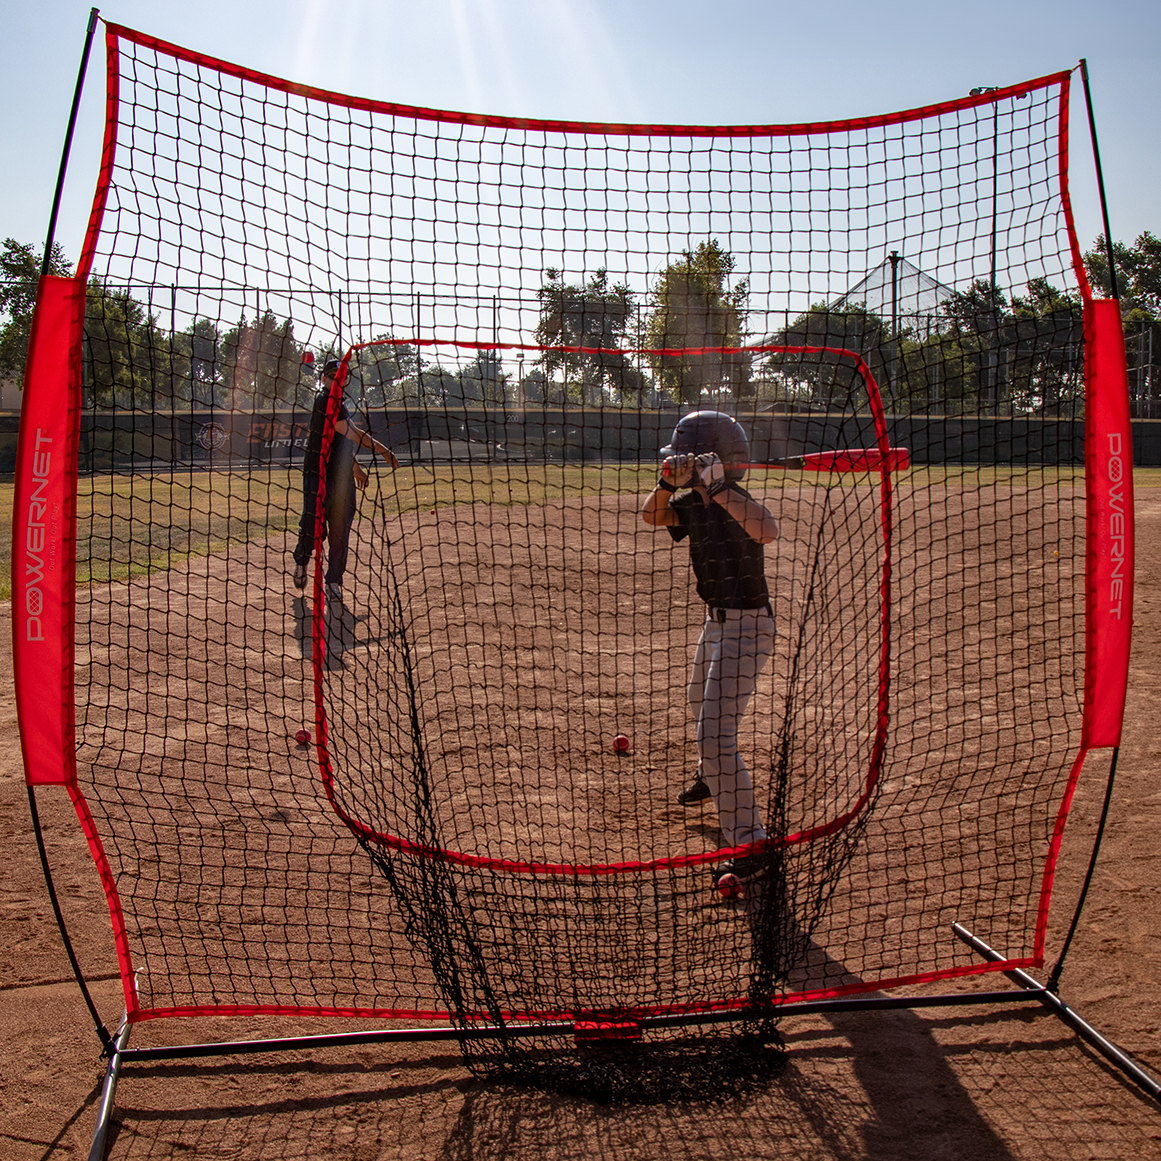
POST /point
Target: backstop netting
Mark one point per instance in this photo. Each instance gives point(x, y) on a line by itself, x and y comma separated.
point(484, 825)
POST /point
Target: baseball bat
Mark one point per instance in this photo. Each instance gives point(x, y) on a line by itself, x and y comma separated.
point(858, 459)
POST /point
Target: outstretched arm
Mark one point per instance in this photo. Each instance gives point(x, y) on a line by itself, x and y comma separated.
point(365, 439)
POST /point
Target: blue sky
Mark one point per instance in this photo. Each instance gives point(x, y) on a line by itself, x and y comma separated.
point(617, 60)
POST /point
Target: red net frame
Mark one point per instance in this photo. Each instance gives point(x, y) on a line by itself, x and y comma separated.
point(839, 821)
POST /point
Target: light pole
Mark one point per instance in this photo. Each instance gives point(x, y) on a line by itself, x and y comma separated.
point(993, 338)
point(894, 259)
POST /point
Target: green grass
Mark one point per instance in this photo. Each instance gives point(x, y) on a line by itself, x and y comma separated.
point(128, 526)
point(151, 523)
point(991, 476)
point(132, 525)
point(416, 487)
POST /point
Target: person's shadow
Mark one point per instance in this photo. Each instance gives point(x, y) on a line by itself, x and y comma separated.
point(340, 631)
point(894, 1055)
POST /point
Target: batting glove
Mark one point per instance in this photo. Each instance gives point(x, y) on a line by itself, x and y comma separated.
point(678, 472)
point(712, 473)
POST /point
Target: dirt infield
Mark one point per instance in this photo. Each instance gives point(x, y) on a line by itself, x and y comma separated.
point(938, 1084)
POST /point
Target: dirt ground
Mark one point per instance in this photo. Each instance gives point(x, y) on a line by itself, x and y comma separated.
point(1008, 1082)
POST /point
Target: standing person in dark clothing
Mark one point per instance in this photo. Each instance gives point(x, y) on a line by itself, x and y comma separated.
point(727, 530)
point(343, 475)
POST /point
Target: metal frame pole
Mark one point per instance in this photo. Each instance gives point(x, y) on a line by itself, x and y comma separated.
point(68, 142)
point(992, 403)
point(108, 1094)
point(893, 257)
point(1028, 991)
point(102, 1032)
point(564, 1028)
point(1096, 154)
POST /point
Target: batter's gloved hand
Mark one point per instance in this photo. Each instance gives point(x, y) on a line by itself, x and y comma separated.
point(712, 473)
point(678, 471)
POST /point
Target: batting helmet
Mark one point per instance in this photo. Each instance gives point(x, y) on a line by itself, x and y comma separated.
point(711, 431)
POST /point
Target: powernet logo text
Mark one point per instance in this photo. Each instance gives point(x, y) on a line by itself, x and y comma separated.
point(39, 538)
point(1116, 470)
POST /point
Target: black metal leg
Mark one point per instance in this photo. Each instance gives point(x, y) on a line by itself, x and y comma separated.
point(1060, 1009)
point(108, 1092)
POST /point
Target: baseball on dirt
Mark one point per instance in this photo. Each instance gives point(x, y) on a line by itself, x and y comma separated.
point(729, 887)
point(302, 737)
point(621, 744)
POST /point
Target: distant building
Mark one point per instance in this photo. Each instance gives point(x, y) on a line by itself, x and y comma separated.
point(11, 395)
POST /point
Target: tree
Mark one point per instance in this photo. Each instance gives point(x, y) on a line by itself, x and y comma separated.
point(126, 355)
point(1138, 275)
point(387, 371)
point(1139, 281)
point(937, 373)
point(974, 319)
point(1042, 340)
point(971, 313)
point(261, 362)
point(436, 384)
point(1000, 356)
point(693, 306)
point(197, 359)
point(827, 378)
point(1018, 357)
point(594, 315)
point(535, 387)
point(19, 277)
point(482, 380)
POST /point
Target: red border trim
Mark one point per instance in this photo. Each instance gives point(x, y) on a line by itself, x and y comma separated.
point(1040, 936)
point(108, 153)
point(367, 833)
point(115, 33)
point(1065, 198)
point(608, 129)
point(109, 882)
point(140, 1015)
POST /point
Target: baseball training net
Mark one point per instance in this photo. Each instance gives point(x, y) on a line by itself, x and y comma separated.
point(483, 827)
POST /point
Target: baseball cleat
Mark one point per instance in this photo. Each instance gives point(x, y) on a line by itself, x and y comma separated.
point(696, 791)
point(298, 577)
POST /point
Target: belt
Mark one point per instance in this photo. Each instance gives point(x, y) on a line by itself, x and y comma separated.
point(736, 614)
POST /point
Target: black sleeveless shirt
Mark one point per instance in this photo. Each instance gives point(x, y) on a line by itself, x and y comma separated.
point(729, 565)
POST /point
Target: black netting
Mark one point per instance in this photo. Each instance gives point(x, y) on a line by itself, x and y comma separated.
point(522, 313)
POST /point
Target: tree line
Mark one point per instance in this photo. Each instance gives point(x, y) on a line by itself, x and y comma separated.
point(981, 350)
point(129, 359)
point(977, 353)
